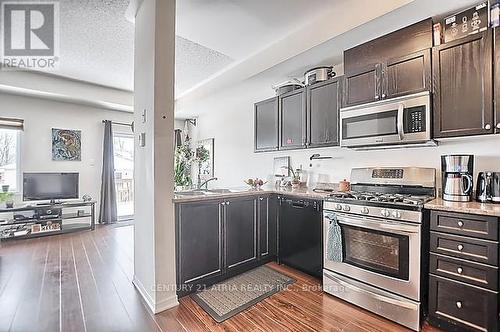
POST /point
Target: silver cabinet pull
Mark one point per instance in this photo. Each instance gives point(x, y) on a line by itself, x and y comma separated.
point(261, 198)
point(223, 203)
point(460, 270)
point(498, 125)
point(459, 304)
point(377, 97)
point(383, 95)
point(228, 203)
point(460, 247)
point(487, 126)
point(460, 223)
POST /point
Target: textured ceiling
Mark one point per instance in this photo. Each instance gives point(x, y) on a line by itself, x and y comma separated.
point(97, 45)
point(97, 42)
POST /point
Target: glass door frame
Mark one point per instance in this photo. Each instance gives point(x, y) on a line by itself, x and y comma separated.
point(121, 134)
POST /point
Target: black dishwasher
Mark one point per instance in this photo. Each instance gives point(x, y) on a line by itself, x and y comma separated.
point(300, 235)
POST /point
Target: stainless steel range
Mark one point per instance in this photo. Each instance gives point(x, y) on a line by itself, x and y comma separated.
point(373, 241)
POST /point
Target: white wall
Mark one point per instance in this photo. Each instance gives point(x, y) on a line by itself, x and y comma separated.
point(229, 119)
point(154, 231)
point(41, 116)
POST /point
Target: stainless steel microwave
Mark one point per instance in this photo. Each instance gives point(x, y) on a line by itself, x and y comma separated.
point(396, 121)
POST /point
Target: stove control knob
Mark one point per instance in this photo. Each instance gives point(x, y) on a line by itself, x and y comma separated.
point(396, 214)
point(347, 208)
point(365, 210)
point(338, 207)
point(385, 213)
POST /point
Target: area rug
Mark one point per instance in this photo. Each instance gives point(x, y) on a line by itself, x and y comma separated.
point(232, 296)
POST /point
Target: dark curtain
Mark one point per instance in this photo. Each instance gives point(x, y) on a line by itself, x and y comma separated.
point(108, 212)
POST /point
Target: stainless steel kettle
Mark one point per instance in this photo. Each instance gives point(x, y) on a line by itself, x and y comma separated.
point(488, 187)
point(483, 187)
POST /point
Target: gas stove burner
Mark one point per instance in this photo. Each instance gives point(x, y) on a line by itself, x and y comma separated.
point(381, 197)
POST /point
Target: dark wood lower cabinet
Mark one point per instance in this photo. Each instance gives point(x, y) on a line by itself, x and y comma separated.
point(218, 239)
point(459, 306)
point(463, 280)
point(199, 243)
point(267, 214)
point(240, 232)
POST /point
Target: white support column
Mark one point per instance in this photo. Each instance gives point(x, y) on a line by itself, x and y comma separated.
point(154, 235)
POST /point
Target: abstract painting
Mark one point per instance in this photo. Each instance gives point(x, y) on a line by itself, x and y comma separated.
point(66, 145)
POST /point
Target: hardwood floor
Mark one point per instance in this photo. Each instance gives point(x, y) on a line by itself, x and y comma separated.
point(83, 282)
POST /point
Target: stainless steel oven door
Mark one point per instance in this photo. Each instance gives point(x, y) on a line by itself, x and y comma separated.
point(379, 252)
point(394, 121)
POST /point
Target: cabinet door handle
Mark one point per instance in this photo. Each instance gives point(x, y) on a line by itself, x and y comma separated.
point(498, 125)
point(487, 126)
point(261, 198)
point(460, 270)
point(383, 95)
point(223, 203)
point(459, 304)
point(228, 203)
point(377, 97)
point(460, 247)
point(460, 223)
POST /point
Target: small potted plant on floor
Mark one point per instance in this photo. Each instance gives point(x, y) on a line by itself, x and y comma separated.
point(7, 197)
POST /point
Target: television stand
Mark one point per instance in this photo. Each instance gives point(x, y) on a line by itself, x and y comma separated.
point(51, 202)
point(30, 221)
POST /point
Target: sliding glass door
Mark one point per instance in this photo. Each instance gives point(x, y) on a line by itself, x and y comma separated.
point(123, 145)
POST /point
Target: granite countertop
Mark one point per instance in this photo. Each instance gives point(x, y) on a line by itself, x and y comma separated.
point(300, 192)
point(488, 209)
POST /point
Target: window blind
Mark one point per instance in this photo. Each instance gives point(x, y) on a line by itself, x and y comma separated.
point(7, 123)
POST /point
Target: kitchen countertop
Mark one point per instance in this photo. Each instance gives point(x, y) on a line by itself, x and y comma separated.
point(488, 209)
point(300, 193)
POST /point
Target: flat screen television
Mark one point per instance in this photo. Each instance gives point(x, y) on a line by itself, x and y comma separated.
point(50, 186)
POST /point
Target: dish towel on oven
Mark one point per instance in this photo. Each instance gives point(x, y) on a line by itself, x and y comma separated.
point(334, 244)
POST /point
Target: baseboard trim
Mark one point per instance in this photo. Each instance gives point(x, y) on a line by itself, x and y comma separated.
point(163, 305)
point(167, 303)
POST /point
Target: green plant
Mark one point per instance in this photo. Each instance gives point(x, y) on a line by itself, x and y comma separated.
point(183, 162)
point(6, 196)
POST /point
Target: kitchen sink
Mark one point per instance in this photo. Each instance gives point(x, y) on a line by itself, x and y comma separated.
point(219, 191)
point(190, 193)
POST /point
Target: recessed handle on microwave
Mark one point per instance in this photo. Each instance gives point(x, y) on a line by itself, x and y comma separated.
point(401, 109)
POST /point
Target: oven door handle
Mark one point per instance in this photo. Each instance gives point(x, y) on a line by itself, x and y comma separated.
point(401, 133)
point(379, 297)
point(396, 228)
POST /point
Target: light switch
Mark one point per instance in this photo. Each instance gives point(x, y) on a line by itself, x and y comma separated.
point(142, 140)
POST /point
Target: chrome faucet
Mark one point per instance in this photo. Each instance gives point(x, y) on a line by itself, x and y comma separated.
point(205, 183)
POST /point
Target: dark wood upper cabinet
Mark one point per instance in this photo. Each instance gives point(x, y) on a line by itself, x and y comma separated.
point(266, 125)
point(408, 40)
point(393, 65)
point(323, 105)
point(292, 119)
point(497, 79)
point(362, 86)
point(463, 83)
point(240, 232)
point(408, 74)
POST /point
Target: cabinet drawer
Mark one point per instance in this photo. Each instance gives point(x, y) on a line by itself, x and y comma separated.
point(483, 227)
point(481, 251)
point(471, 273)
point(466, 307)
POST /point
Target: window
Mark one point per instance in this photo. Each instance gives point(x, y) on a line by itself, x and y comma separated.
point(10, 173)
point(123, 146)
